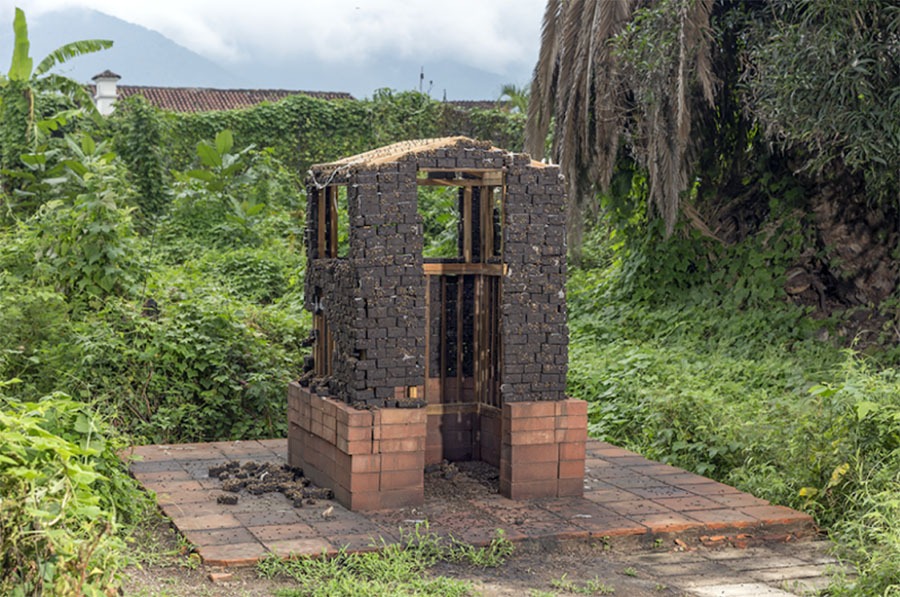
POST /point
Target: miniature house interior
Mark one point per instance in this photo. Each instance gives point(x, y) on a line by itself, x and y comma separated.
point(436, 279)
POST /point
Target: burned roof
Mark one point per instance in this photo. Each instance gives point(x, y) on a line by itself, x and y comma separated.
point(398, 151)
point(201, 99)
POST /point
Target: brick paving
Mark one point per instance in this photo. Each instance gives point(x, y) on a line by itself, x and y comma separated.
point(774, 570)
point(626, 498)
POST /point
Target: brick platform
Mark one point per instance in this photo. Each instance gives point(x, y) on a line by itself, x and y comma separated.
point(626, 497)
point(372, 459)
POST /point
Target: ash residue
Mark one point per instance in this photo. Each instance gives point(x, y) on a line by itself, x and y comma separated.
point(257, 479)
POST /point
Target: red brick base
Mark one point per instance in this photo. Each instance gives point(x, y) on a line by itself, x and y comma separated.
point(542, 449)
point(375, 459)
point(372, 459)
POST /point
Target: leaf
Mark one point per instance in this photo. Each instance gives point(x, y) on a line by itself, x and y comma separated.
point(71, 50)
point(224, 142)
point(865, 407)
point(209, 157)
point(20, 68)
point(838, 474)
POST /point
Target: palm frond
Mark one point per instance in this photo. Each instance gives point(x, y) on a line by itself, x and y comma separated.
point(71, 50)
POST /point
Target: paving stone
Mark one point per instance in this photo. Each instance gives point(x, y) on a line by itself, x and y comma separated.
point(740, 590)
point(722, 518)
point(637, 507)
point(233, 536)
point(761, 563)
point(281, 532)
point(788, 573)
point(244, 554)
point(687, 504)
point(306, 547)
point(208, 522)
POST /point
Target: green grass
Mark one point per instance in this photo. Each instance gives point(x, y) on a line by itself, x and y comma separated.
point(395, 569)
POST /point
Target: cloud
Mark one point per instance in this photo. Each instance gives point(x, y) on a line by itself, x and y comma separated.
point(495, 35)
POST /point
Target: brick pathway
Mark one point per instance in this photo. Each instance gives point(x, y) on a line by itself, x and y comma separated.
point(773, 570)
point(626, 498)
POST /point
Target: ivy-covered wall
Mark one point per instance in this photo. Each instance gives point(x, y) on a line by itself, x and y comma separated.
point(303, 130)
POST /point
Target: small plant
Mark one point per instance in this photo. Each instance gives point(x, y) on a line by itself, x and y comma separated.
point(590, 587)
point(629, 571)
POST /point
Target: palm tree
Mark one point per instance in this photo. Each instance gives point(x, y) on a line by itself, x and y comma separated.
point(599, 78)
point(515, 97)
point(23, 84)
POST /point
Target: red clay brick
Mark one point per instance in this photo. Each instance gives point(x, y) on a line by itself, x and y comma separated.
point(536, 453)
point(533, 489)
point(359, 447)
point(394, 416)
point(515, 410)
point(362, 500)
point(414, 444)
point(401, 461)
point(313, 546)
point(776, 514)
point(637, 507)
point(529, 438)
point(352, 434)
point(572, 451)
point(687, 504)
point(362, 482)
point(400, 431)
point(244, 554)
point(210, 521)
point(671, 522)
point(571, 436)
point(401, 479)
point(365, 463)
point(534, 471)
point(571, 422)
point(572, 407)
point(571, 469)
point(277, 532)
point(722, 518)
point(530, 424)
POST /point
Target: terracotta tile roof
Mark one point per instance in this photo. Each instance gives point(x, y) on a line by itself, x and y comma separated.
point(477, 104)
point(192, 99)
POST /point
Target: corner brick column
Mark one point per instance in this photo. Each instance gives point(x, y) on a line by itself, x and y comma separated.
point(542, 449)
point(372, 459)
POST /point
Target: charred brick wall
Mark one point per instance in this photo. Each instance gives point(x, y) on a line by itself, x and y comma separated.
point(374, 300)
point(533, 310)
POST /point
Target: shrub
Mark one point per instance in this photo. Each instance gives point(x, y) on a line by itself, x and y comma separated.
point(63, 497)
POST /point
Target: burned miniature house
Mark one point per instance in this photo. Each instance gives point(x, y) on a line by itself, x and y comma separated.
point(436, 279)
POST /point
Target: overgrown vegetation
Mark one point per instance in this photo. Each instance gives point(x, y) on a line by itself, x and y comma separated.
point(151, 268)
point(395, 569)
point(702, 363)
point(64, 498)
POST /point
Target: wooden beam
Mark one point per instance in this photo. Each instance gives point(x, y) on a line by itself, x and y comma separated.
point(447, 182)
point(467, 224)
point(321, 198)
point(461, 269)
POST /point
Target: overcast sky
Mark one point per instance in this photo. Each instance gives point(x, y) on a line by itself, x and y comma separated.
point(500, 36)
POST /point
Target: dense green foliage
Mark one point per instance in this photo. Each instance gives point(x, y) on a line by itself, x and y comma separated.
point(303, 130)
point(63, 498)
point(689, 354)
